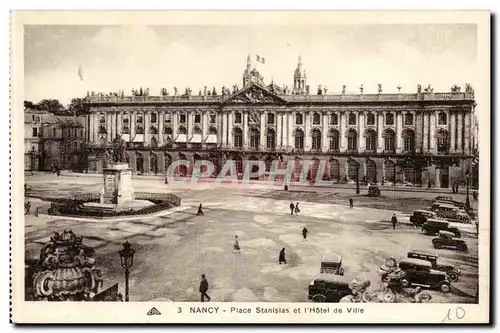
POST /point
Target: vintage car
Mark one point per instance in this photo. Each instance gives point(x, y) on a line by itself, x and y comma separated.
point(442, 198)
point(328, 288)
point(420, 273)
point(447, 240)
point(450, 270)
point(452, 212)
point(373, 191)
point(332, 264)
point(419, 217)
point(434, 226)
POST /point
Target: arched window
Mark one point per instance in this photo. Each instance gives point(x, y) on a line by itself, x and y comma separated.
point(168, 162)
point(371, 140)
point(442, 118)
point(153, 143)
point(270, 139)
point(442, 141)
point(334, 140)
point(125, 130)
point(182, 130)
point(153, 130)
point(238, 137)
point(352, 170)
point(352, 140)
point(153, 163)
point(167, 130)
point(270, 118)
point(370, 119)
point(409, 141)
point(181, 169)
point(102, 130)
point(139, 163)
point(298, 119)
point(334, 119)
point(197, 130)
point(389, 119)
point(334, 169)
point(139, 129)
point(351, 119)
point(316, 118)
point(409, 119)
point(371, 171)
point(316, 139)
point(269, 163)
point(212, 130)
point(254, 138)
point(389, 171)
point(389, 141)
point(299, 139)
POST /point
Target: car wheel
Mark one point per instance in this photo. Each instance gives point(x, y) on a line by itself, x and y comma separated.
point(319, 299)
point(445, 288)
point(437, 245)
point(452, 276)
point(405, 283)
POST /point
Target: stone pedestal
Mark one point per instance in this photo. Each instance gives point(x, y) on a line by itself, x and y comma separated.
point(117, 184)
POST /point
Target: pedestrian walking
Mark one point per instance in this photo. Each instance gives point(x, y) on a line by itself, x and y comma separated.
point(36, 211)
point(27, 207)
point(292, 208)
point(236, 245)
point(200, 210)
point(204, 288)
point(394, 220)
point(297, 210)
point(305, 232)
point(351, 203)
point(282, 258)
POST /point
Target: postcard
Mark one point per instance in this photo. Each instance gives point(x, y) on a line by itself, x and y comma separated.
point(250, 167)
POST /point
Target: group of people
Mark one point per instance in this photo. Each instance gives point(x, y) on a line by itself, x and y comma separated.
point(294, 208)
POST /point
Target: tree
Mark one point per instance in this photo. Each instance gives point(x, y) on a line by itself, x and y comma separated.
point(76, 106)
point(30, 105)
point(51, 105)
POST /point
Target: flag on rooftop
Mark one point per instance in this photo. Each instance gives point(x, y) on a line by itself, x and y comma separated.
point(261, 59)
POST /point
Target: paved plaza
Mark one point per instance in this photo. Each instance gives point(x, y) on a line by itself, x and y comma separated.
point(174, 248)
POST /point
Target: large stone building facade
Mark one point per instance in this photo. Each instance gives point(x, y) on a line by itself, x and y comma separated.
point(420, 139)
point(53, 141)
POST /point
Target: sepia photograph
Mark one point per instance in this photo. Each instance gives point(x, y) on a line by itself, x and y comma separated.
point(253, 164)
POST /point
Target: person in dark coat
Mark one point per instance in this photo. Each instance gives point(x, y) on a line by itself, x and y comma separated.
point(305, 232)
point(27, 207)
point(282, 258)
point(394, 220)
point(292, 208)
point(351, 203)
point(204, 288)
point(200, 210)
point(297, 210)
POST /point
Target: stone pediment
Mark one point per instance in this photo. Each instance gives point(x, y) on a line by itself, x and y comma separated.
point(254, 94)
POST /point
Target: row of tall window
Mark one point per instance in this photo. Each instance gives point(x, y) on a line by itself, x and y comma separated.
point(389, 118)
point(371, 138)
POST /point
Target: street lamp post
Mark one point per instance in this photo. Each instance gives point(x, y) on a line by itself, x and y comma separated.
point(467, 201)
point(127, 260)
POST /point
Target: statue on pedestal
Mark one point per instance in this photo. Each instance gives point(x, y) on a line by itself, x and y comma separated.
point(118, 150)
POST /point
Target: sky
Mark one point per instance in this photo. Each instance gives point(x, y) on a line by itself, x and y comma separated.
point(115, 58)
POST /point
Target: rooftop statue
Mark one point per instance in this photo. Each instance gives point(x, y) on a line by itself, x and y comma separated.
point(469, 90)
point(419, 88)
point(361, 88)
point(343, 89)
point(379, 88)
point(455, 89)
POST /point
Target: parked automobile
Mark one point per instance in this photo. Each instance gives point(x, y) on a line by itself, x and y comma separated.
point(452, 273)
point(328, 288)
point(451, 212)
point(419, 217)
point(332, 264)
point(434, 226)
point(447, 240)
point(442, 198)
point(437, 203)
point(420, 273)
point(373, 191)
